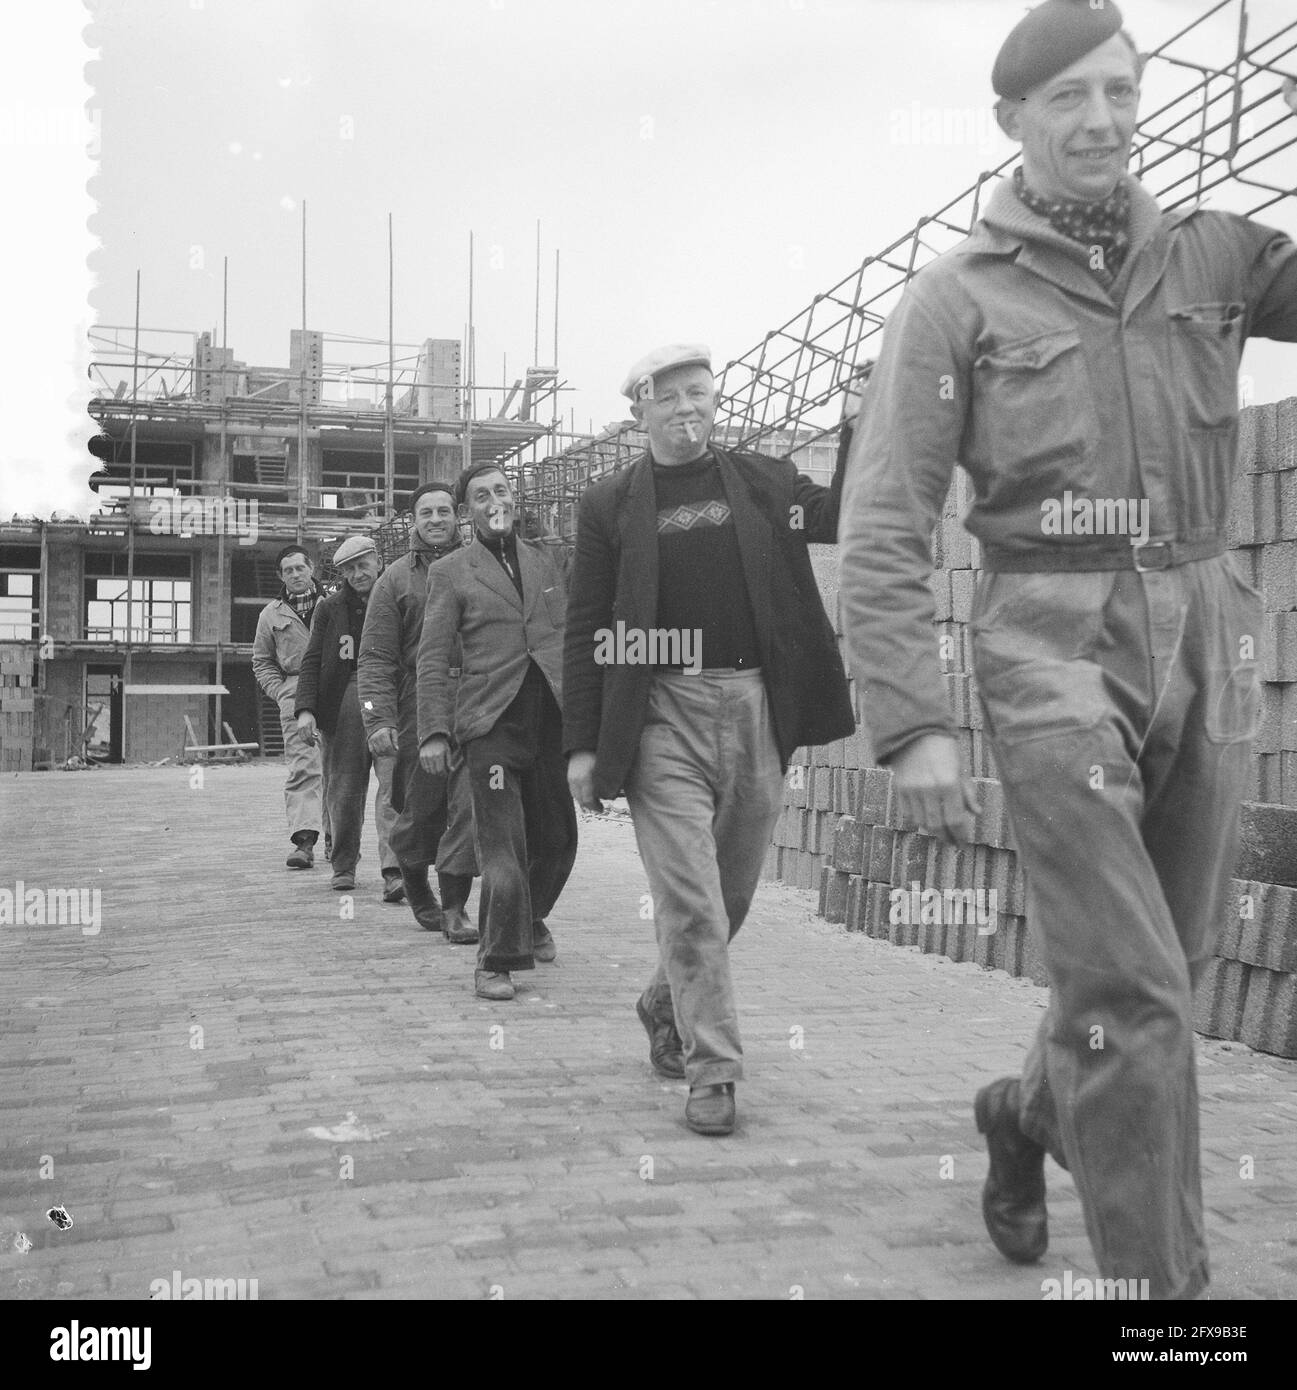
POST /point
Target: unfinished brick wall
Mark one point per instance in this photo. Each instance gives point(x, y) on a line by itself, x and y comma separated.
point(839, 832)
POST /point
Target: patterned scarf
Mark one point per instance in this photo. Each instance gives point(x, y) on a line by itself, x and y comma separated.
point(1104, 224)
point(303, 604)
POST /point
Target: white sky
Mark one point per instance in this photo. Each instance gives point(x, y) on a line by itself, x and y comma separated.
point(704, 166)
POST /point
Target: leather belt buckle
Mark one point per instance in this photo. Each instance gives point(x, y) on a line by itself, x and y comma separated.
point(1144, 561)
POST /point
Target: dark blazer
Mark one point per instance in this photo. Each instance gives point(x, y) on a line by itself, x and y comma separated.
point(331, 655)
point(776, 511)
point(475, 619)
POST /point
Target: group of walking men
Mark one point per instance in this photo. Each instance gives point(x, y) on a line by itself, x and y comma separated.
point(1081, 341)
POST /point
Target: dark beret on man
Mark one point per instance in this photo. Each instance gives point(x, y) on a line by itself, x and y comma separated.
point(467, 476)
point(1049, 39)
point(434, 486)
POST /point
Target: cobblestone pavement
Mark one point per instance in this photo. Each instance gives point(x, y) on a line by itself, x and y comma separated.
point(234, 1081)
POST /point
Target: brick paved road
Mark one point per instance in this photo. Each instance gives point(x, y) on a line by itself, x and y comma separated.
point(356, 1123)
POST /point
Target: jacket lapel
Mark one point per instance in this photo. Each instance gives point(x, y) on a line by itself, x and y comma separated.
point(491, 573)
point(637, 572)
point(756, 546)
point(532, 575)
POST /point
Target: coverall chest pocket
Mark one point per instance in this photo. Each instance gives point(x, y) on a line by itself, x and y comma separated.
point(1206, 345)
point(1035, 398)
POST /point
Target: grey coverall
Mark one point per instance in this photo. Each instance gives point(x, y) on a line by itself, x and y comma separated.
point(1119, 684)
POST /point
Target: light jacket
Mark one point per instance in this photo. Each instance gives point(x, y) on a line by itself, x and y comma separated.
point(279, 646)
point(1007, 356)
point(473, 606)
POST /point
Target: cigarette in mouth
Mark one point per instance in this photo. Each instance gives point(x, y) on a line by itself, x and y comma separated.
point(692, 430)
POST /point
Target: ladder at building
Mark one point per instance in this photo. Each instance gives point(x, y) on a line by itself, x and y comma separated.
point(269, 730)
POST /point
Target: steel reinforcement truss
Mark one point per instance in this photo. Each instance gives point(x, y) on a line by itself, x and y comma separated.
point(1215, 132)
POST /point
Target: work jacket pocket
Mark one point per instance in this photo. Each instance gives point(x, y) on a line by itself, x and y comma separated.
point(1232, 698)
point(1206, 345)
point(1035, 398)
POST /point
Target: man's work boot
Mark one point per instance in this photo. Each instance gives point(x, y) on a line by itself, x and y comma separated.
point(543, 946)
point(710, 1109)
point(303, 855)
point(1013, 1199)
point(343, 882)
point(456, 927)
point(393, 886)
point(492, 984)
point(666, 1051)
point(423, 901)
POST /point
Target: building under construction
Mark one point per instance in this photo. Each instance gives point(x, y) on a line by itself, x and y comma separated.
point(127, 636)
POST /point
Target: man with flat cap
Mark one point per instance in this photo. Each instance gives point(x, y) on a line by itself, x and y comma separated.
point(1078, 354)
point(495, 609)
point(434, 823)
point(698, 657)
point(327, 703)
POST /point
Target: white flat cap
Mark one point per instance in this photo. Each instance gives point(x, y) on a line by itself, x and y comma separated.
point(353, 548)
point(659, 360)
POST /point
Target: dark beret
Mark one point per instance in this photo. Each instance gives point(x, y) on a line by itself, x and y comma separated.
point(447, 488)
point(467, 476)
point(1050, 38)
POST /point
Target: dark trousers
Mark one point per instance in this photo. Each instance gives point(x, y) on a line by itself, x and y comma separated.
point(347, 763)
point(434, 823)
point(526, 823)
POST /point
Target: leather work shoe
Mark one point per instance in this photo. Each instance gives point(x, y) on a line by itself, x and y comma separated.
point(1013, 1200)
point(666, 1051)
point(393, 887)
point(542, 943)
point(456, 927)
point(302, 857)
point(710, 1109)
point(491, 984)
point(423, 901)
point(343, 882)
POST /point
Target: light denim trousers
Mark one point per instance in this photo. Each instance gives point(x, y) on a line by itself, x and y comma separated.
point(1121, 707)
point(705, 791)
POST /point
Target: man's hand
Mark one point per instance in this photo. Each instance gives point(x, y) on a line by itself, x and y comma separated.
point(580, 781)
point(382, 743)
point(930, 792)
point(1289, 93)
point(306, 727)
point(434, 755)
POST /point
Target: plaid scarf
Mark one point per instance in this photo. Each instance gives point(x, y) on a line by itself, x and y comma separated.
point(303, 604)
point(1102, 224)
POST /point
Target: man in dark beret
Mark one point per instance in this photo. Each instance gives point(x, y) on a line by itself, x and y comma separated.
point(1078, 354)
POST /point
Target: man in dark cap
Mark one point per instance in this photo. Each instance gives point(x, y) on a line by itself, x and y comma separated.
point(434, 823)
point(327, 703)
point(1081, 344)
point(496, 611)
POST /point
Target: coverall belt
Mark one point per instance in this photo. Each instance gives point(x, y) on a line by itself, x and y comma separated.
point(1127, 555)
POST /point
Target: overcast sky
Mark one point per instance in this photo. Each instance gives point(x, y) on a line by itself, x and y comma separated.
point(705, 167)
